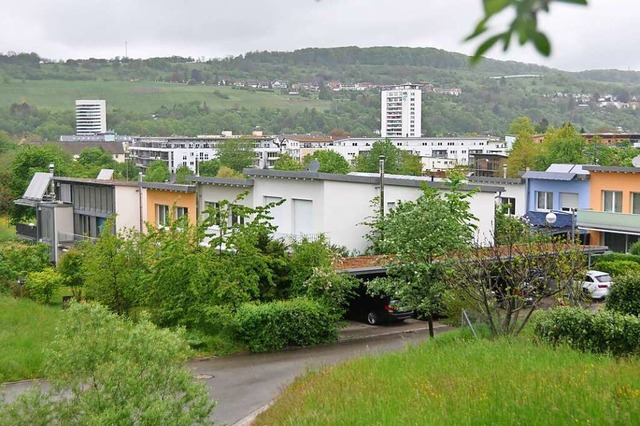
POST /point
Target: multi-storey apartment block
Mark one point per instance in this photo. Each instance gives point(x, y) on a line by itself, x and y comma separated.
point(91, 117)
point(401, 111)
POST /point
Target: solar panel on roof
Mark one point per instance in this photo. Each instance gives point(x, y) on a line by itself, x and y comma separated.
point(105, 174)
point(38, 186)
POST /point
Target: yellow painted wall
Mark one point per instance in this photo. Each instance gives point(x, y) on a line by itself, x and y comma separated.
point(611, 181)
point(171, 199)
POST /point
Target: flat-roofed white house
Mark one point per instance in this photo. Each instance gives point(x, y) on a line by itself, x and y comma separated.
point(332, 204)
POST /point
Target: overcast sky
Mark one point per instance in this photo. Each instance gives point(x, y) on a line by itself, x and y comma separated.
point(606, 34)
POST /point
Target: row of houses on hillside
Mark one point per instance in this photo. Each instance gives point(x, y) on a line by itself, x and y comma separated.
point(72, 209)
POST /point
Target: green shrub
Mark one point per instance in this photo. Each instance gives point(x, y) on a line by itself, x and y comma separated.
point(17, 259)
point(600, 332)
point(613, 257)
point(41, 285)
point(619, 267)
point(276, 325)
point(635, 248)
point(624, 295)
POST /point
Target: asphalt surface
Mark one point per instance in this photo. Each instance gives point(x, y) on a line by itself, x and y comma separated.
point(245, 384)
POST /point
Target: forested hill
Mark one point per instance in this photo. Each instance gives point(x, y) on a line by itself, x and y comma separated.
point(183, 95)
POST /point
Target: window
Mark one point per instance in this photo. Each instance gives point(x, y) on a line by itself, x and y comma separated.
point(568, 201)
point(277, 212)
point(162, 214)
point(236, 216)
point(181, 211)
point(635, 202)
point(302, 217)
point(612, 201)
point(213, 205)
point(544, 200)
point(509, 205)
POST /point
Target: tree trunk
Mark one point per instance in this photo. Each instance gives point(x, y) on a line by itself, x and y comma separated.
point(430, 321)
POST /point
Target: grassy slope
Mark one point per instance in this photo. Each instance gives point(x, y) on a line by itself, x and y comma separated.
point(25, 329)
point(144, 97)
point(453, 382)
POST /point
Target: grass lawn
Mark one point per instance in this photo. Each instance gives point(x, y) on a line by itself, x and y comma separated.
point(26, 328)
point(451, 381)
point(7, 231)
point(143, 96)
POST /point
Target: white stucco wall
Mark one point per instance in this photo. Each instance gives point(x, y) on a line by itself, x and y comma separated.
point(213, 193)
point(127, 200)
point(516, 191)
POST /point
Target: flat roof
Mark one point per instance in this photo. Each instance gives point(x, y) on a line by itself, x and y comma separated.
point(222, 181)
point(614, 169)
point(174, 187)
point(96, 181)
point(366, 178)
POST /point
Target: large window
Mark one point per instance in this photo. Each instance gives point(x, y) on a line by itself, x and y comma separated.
point(635, 202)
point(544, 200)
point(509, 204)
point(162, 214)
point(214, 205)
point(302, 217)
point(569, 201)
point(612, 201)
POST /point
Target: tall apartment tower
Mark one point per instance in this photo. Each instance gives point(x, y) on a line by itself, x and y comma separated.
point(91, 117)
point(401, 112)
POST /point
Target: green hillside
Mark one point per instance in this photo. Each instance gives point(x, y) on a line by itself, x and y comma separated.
point(178, 95)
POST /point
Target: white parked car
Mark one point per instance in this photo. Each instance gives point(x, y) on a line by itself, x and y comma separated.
point(596, 284)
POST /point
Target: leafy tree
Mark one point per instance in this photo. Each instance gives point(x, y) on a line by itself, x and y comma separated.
point(523, 155)
point(41, 285)
point(229, 173)
point(287, 162)
point(396, 162)
point(305, 256)
point(504, 284)
point(182, 172)
point(521, 125)
point(330, 162)
point(71, 270)
point(157, 172)
point(127, 170)
point(91, 160)
point(420, 234)
point(509, 228)
point(113, 269)
point(236, 154)
point(17, 259)
point(564, 145)
point(209, 168)
point(105, 369)
point(524, 25)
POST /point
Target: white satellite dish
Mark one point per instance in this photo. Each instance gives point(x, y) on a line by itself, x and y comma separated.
point(636, 161)
point(314, 166)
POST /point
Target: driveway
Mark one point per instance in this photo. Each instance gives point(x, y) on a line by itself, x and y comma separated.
point(244, 384)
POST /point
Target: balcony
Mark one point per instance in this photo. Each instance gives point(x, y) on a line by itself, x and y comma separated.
point(69, 238)
point(608, 221)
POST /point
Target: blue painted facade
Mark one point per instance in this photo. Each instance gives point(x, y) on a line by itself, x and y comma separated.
point(581, 187)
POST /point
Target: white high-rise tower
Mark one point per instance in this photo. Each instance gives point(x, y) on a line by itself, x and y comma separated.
point(91, 117)
point(401, 114)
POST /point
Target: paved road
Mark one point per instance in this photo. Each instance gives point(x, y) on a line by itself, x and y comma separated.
point(246, 383)
point(243, 384)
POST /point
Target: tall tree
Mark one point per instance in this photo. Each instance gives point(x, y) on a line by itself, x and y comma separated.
point(158, 171)
point(209, 168)
point(420, 234)
point(520, 125)
point(287, 162)
point(523, 155)
point(395, 162)
point(330, 162)
point(236, 154)
point(564, 145)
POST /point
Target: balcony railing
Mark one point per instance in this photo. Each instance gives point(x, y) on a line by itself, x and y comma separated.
point(28, 231)
point(67, 237)
point(623, 222)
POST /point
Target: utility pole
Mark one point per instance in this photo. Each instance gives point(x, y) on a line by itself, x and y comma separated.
point(382, 187)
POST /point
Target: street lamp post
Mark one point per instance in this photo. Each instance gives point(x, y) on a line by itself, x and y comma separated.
point(551, 218)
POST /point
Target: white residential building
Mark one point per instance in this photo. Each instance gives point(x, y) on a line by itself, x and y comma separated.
point(401, 111)
point(432, 150)
point(91, 117)
point(190, 151)
point(332, 204)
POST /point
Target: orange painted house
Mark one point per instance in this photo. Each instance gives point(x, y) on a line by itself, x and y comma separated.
point(169, 201)
point(613, 218)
